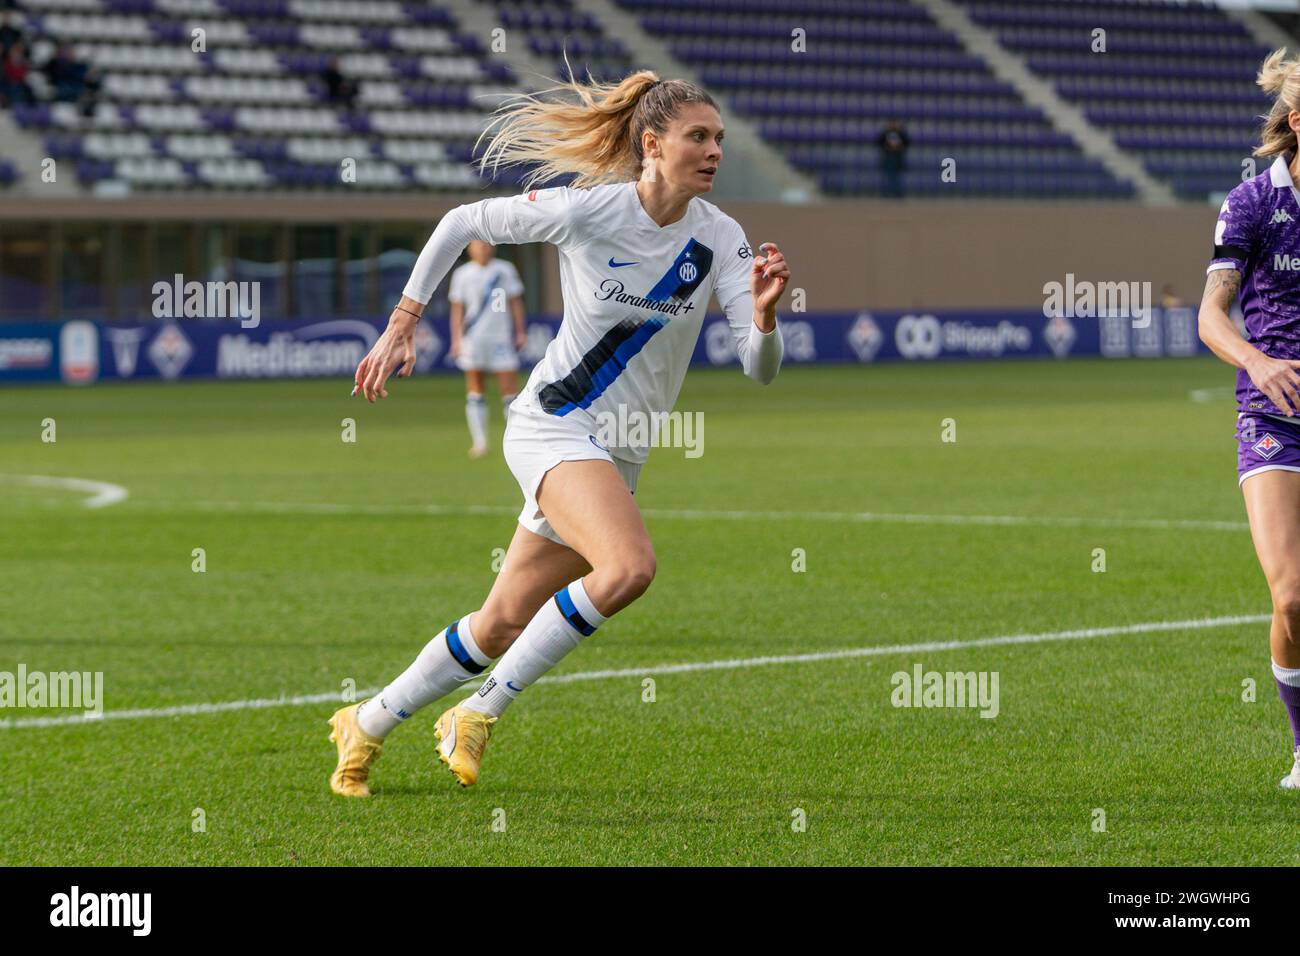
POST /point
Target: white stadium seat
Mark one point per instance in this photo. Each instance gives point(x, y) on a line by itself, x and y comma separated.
point(331, 36)
point(200, 146)
point(268, 120)
point(169, 117)
point(445, 175)
point(117, 145)
point(327, 149)
point(430, 39)
point(211, 89)
point(365, 65)
point(412, 123)
point(74, 26)
point(243, 62)
point(135, 86)
point(450, 67)
point(414, 150)
point(233, 172)
point(151, 172)
point(373, 11)
point(106, 116)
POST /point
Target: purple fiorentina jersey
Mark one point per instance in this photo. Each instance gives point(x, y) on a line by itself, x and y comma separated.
point(1258, 234)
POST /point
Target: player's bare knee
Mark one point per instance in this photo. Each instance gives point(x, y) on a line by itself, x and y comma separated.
point(1286, 603)
point(1286, 606)
point(633, 574)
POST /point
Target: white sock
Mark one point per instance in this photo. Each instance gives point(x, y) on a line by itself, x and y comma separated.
point(557, 628)
point(446, 662)
point(1286, 675)
point(476, 414)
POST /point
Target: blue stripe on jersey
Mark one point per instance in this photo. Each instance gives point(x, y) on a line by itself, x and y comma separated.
point(570, 612)
point(458, 649)
point(602, 364)
point(483, 303)
point(684, 276)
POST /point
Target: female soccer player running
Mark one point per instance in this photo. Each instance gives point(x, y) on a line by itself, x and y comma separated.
point(482, 339)
point(1256, 240)
point(639, 258)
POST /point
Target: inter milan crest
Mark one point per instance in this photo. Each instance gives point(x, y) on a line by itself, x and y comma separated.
point(1267, 447)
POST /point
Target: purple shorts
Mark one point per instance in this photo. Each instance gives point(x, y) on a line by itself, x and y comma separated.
point(1265, 443)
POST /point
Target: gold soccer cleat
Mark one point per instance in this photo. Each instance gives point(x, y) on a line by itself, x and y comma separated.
point(357, 751)
point(462, 735)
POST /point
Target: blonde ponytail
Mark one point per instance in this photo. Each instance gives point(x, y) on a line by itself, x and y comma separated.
point(598, 138)
point(1280, 78)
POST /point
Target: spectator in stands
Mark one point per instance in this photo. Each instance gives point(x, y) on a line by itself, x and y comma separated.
point(340, 89)
point(67, 74)
point(9, 34)
point(13, 77)
point(1169, 297)
point(893, 158)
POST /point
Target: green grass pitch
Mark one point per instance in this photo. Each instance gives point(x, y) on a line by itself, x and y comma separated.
point(326, 564)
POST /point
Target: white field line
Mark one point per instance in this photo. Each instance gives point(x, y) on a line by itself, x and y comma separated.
point(1221, 393)
point(102, 493)
point(863, 517)
point(877, 650)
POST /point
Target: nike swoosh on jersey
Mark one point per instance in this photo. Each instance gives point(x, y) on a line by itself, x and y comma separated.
point(619, 265)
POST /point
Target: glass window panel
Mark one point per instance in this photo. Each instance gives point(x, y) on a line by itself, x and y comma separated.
point(24, 269)
point(315, 270)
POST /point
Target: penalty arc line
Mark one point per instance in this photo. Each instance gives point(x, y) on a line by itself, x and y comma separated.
point(102, 493)
point(1149, 627)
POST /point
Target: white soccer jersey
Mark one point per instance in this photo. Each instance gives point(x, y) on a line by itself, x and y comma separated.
point(635, 294)
point(474, 286)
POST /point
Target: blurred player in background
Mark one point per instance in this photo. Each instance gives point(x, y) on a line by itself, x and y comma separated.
point(482, 336)
point(1260, 220)
point(640, 256)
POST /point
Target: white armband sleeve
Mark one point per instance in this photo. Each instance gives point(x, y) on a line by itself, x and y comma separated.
point(760, 353)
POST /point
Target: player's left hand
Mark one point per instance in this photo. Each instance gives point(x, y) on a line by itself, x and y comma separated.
point(768, 277)
point(521, 339)
point(393, 352)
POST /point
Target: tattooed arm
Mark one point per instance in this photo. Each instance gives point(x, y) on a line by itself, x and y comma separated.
point(1276, 378)
point(1214, 324)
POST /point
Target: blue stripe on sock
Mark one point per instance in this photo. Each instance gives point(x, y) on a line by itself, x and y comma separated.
point(570, 612)
point(458, 650)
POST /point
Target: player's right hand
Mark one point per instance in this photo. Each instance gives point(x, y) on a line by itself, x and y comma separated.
point(1278, 379)
point(394, 350)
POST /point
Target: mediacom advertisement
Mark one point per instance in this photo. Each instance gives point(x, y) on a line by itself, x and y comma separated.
point(80, 352)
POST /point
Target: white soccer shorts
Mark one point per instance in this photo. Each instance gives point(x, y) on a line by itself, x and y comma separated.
point(536, 442)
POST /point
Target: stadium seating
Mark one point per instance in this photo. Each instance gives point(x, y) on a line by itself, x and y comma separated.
point(556, 30)
point(1175, 85)
point(864, 64)
point(252, 110)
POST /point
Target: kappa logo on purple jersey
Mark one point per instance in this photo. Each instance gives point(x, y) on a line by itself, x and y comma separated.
point(1267, 447)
